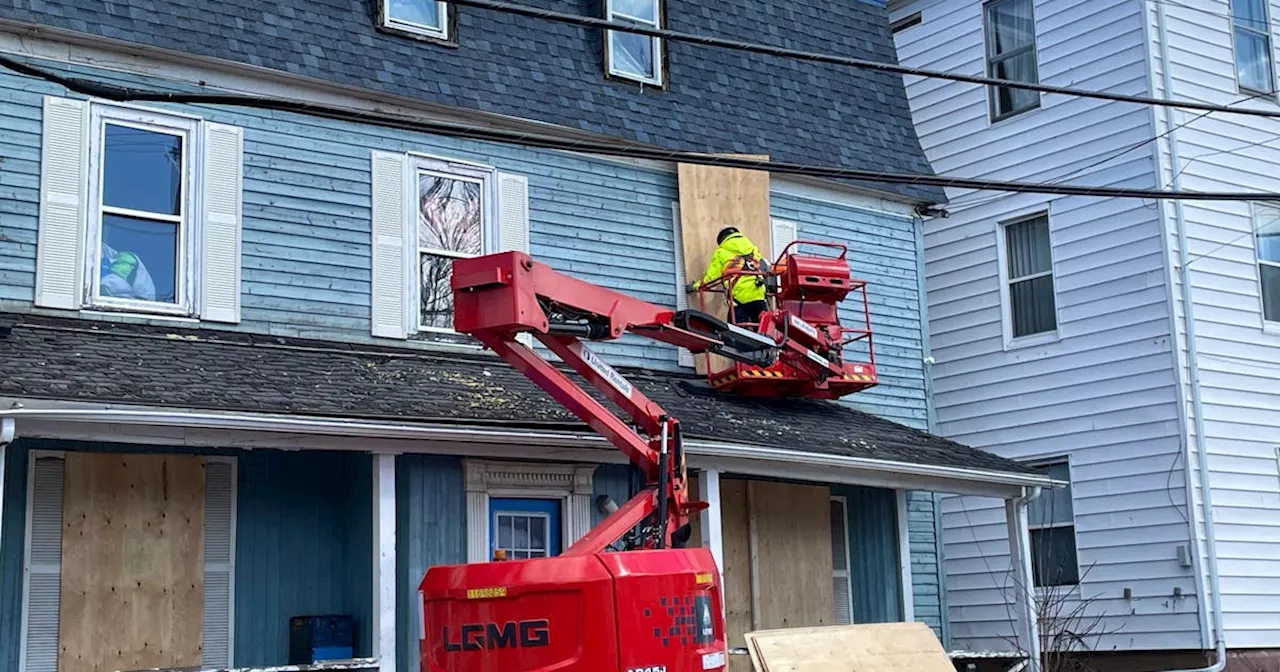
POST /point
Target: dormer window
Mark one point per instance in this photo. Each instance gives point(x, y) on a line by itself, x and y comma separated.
point(425, 18)
point(628, 55)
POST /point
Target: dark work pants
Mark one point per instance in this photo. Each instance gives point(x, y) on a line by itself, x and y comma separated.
point(749, 312)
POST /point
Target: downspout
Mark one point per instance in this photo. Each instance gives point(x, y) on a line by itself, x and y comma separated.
point(1020, 553)
point(8, 430)
point(1193, 369)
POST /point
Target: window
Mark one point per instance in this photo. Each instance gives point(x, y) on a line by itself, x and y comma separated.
point(1028, 269)
point(637, 57)
point(1267, 225)
point(428, 18)
point(454, 208)
point(1253, 45)
point(841, 585)
point(522, 535)
point(140, 226)
point(1053, 531)
point(1011, 55)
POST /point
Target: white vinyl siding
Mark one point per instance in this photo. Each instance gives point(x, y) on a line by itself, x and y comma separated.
point(632, 56)
point(841, 581)
point(428, 18)
point(1251, 25)
point(140, 212)
point(1011, 55)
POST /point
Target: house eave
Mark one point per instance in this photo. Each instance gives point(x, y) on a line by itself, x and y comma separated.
point(77, 420)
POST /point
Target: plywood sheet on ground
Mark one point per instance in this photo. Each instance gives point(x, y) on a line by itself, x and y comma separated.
point(132, 562)
point(793, 537)
point(710, 199)
point(880, 647)
point(737, 567)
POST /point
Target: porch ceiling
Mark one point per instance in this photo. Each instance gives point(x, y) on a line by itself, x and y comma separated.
point(74, 360)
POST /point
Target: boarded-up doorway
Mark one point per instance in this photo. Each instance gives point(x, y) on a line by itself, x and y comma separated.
point(132, 584)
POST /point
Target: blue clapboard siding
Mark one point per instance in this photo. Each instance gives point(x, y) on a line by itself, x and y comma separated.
point(11, 551)
point(430, 530)
point(303, 540)
point(619, 481)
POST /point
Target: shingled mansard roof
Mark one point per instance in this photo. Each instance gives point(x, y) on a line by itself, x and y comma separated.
point(716, 100)
point(52, 358)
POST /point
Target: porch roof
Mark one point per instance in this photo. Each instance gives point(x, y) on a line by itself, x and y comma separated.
point(195, 369)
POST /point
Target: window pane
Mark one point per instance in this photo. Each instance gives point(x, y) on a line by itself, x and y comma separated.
point(139, 259)
point(450, 214)
point(437, 295)
point(520, 539)
point(421, 12)
point(1250, 13)
point(1010, 26)
point(1253, 61)
point(632, 54)
point(1020, 68)
point(1031, 305)
point(1270, 292)
point(504, 532)
point(1053, 557)
point(646, 10)
point(142, 170)
point(839, 549)
point(1053, 505)
point(1028, 248)
point(538, 533)
point(1268, 225)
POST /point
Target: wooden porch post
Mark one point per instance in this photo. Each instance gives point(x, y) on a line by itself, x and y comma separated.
point(384, 561)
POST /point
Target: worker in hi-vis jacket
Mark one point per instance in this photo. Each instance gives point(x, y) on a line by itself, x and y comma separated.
point(736, 251)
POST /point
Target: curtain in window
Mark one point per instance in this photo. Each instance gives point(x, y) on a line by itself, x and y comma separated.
point(1012, 29)
point(1031, 300)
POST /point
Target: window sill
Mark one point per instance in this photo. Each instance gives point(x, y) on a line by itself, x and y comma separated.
point(1031, 341)
point(636, 80)
point(1271, 328)
point(438, 39)
point(135, 316)
point(994, 121)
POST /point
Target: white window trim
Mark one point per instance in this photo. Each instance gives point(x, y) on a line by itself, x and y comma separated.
point(658, 63)
point(1006, 300)
point(847, 572)
point(993, 92)
point(188, 262)
point(487, 176)
point(531, 515)
point(1071, 480)
point(439, 33)
point(1268, 326)
point(572, 484)
point(1235, 52)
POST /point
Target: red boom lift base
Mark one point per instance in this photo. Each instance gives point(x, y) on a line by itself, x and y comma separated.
point(656, 605)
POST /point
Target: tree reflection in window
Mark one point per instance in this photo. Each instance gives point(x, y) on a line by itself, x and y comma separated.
point(450, 225)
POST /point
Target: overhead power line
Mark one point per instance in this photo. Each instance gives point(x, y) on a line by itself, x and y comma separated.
point(818, 57)
point(623, 149)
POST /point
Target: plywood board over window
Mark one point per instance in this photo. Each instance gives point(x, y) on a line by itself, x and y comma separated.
point(711, 198)
point(132, 562)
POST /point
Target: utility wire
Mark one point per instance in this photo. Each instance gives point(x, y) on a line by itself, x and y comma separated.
point(618, 149)
point(817, 57)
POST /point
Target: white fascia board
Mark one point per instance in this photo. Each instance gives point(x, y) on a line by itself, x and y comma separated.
point(48, 422)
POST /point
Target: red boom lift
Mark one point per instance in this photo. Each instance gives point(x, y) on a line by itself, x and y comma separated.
point(657, 606)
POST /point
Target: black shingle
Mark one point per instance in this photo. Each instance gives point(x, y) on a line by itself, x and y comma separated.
point(873, 130)
point(108, 363)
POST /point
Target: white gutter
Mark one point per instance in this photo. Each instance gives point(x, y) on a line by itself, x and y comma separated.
point(387, 430)
point(1193, 369)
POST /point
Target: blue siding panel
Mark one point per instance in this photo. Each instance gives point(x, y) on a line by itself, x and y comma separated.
point(619, 481)
point(431, 515)
point(926, 577)
point(12, 540)
point(303, 534)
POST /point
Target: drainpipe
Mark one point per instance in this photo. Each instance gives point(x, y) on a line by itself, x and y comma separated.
point(1193, 369)
point(8, 429)
point(1020, 562)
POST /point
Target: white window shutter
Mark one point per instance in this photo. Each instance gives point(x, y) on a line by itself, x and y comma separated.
point(64, 165)
point(220, 260)
point(389, 286)
point(683, 356)
point(840, 589)
point(784, 233)
point(513, 221)
point(43, 584)
point(219, 561)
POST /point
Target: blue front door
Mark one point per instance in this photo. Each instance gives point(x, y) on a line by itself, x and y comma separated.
point(524, 528)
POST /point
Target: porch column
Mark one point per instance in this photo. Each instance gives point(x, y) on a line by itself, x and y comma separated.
point(904, 559)
point(709, 520)
point(1024, 597)
point(384, 561)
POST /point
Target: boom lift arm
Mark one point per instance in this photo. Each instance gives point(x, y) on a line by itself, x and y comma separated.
point(499, 296)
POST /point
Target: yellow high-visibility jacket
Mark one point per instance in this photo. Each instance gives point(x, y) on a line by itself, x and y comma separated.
point(745, 289)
